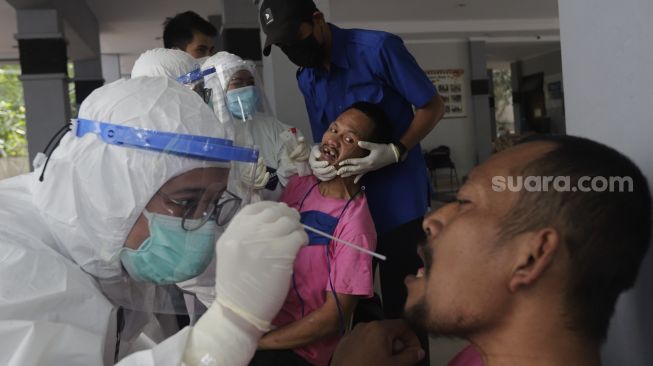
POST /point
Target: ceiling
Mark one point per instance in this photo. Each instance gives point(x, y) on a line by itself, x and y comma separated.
point(130, 27)
point(411, 10)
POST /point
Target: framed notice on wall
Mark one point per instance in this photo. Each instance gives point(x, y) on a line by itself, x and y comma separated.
point(451, 87)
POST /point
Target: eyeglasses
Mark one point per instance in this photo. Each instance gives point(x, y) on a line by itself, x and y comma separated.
point(197, 212)
point(237, 82)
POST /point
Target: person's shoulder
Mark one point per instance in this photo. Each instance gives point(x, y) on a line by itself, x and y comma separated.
point(359, 212)
point(374, 39)
point(41, 272)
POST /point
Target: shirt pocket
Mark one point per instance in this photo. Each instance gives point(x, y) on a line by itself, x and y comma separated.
point(367, 92)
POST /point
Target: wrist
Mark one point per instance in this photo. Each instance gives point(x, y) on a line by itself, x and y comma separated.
point(223, 336)
point(401, 150)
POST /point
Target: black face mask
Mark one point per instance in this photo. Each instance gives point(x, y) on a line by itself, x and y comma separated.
point(305, 53)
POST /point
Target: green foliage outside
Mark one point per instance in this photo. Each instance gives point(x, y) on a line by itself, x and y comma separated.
point(12, 110)
point(12, 113)
point(502, 81)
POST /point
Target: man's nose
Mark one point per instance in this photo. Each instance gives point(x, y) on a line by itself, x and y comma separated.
point(435, 221)
point(432, 225)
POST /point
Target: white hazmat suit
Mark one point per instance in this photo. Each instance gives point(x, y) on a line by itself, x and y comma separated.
point(280, 149)
point(60, 237)
point(164, 62)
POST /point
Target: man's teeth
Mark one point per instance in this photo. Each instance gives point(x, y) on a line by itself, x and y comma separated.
point(420, 273)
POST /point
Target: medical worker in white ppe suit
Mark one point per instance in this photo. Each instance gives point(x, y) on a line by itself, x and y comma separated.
point(130, 201)
point(163, 62)
point(283, 151)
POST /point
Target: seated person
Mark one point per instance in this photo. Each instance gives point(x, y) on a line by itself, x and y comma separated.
point(528, 277)
point(328, 276)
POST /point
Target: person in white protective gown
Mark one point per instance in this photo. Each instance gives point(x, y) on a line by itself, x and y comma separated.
point(176, 65)
point(129, 202)
point(163, 62)
point(283, 151)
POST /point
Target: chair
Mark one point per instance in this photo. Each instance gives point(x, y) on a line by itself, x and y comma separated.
point(440, 158)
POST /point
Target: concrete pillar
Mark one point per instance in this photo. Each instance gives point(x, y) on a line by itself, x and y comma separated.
point(88, 77)
point(110, 67)
point(606, 64)
point(240, 29)
point(515, 78)
point(43, 61)
point(481, 100)
point(216, 20)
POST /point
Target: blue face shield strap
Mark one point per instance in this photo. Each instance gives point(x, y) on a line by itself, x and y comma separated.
point(190, 146)
point(195, 75)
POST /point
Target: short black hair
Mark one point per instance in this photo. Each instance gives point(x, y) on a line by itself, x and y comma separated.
point(382, 133)
point(606, 233)
point(178, 30)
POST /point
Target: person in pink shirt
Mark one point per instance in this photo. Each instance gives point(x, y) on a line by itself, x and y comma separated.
point(328, 277)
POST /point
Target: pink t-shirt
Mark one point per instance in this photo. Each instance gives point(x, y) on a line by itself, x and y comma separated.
point(351, 270)
point(467, 357)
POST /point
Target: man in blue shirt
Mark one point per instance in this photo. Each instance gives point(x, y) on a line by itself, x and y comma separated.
point(339, 67)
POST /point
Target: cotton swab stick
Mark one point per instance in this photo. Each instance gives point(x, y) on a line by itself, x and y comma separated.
point(352, 245)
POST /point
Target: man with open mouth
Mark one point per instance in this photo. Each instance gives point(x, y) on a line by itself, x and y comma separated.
point(328, 277)
point(529, 277)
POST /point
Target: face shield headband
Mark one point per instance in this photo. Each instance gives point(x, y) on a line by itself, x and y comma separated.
point(189, 146)
point(195, 81)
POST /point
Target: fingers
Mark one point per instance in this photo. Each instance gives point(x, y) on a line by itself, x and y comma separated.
point(358, 177)
point(315, 151)
point(399, 330)
point(271, 209)
point(367, 145)
point(408, 356)
point(348, 170)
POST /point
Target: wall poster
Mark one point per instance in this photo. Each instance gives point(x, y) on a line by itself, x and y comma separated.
point(451, 86)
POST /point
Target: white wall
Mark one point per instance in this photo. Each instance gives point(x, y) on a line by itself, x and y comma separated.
point(606, 59)
point(457, 133)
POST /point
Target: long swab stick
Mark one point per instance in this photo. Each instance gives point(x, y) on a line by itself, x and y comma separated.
point(352, 245)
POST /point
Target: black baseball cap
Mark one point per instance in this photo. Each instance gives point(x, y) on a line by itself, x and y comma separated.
point(280, 20)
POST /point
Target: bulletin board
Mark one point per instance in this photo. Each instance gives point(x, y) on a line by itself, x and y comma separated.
point(451, 86)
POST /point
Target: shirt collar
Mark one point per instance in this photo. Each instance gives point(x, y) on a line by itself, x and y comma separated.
point(339, 47)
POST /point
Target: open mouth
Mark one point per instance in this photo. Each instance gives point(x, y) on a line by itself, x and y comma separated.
point(329, 153)
point(420, 252)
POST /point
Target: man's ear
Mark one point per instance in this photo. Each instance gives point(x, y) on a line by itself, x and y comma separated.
point(535, 253)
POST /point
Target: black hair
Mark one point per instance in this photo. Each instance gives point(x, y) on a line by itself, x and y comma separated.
point(606, 233)
point(178, 30)
point(382, 132)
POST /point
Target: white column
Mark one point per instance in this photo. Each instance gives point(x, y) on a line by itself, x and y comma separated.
point(606, 60)
point(45, 82)
point(480, 100)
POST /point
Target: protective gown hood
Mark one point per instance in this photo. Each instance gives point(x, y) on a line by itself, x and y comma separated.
point(93, 192)
point(225, 65)
point(164, 62)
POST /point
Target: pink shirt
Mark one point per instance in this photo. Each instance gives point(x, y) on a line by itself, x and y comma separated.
point(467, 357)
point(351, 270)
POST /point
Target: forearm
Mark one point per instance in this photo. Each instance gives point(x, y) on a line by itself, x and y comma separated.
point(313, 327)
point(424, 121)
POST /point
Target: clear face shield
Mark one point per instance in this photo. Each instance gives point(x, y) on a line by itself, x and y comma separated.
point(244, 91)
point(194, 80)
point(173, 238)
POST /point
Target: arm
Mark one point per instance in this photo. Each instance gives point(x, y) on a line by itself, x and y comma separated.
point(425, 120)
point(313, 327)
